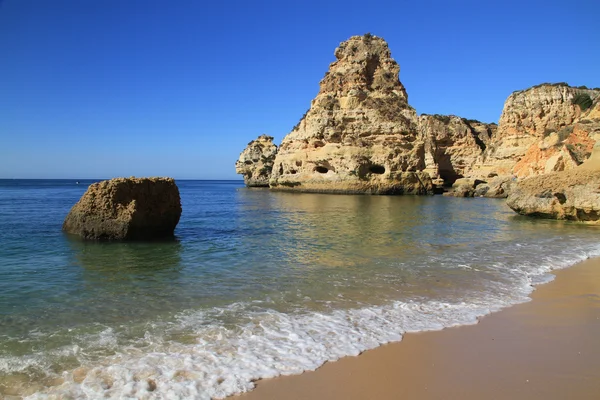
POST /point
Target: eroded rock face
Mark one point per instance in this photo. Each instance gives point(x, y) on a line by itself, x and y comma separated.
point(452, 145)
point(126, 209)
point(498, 187)
point(570, 195)
point(256, 161)
point(359, 135)
point(464, 187)
point(540, 132)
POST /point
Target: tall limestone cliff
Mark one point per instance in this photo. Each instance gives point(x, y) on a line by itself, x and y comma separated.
point(359, 135)
point(541, 129)
point(256, 161)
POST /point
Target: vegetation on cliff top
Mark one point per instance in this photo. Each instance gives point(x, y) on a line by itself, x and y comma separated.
point(554, 84)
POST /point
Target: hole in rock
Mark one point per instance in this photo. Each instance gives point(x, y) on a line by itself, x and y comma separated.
point(321, 170)
point(377, 169)
point(562, 199)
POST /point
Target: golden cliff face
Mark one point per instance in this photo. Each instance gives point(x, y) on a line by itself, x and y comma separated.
point(452, 145)
point(359, 135)
point(541, 131)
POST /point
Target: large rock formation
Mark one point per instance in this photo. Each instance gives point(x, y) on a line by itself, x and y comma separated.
point(570, 195)
point(359, 135)
point(546, 128)
point(564, 149)
point(452, 145)
point(256, 161)
point(126, 209)
point(542, 129)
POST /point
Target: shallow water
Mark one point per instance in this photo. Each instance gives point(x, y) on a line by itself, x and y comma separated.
point(257, 284)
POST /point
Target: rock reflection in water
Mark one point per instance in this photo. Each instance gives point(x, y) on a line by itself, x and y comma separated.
point(123, 280)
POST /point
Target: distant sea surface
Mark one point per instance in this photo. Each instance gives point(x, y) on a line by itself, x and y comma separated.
point(256, 284)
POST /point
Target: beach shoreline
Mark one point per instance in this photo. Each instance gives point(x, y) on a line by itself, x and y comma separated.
point(543, 349)
point(281, 285)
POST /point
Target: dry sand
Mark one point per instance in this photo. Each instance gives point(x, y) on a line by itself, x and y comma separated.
point(546, 349)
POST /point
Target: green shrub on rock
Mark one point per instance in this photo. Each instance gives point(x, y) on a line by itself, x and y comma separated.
point(583, 100)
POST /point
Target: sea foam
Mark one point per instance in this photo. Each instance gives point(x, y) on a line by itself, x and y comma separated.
point(225, 359)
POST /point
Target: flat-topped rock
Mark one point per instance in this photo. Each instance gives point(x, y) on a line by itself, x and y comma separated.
point(570, 195)
point(126, 209)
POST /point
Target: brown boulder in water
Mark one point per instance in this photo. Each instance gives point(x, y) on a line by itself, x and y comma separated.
point(126, 209)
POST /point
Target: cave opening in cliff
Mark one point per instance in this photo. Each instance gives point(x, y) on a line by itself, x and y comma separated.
point(377, 169)
point(320, 169)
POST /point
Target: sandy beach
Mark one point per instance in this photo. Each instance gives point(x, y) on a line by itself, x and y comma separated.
point(544, 349)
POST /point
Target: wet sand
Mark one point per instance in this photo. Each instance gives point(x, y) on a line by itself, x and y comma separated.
point(548, 348)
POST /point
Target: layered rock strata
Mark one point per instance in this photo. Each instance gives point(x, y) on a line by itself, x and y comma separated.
point(256, 161)
point(541, 129)
point(359, 135)
point(564, 149)
point(569, 195)
point(126, 209)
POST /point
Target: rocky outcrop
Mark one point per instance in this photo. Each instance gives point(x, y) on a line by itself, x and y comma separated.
point(359, 135)
point(498, 187)
point(464, 187)
point(126, 209)
point(569, 195)
point(256, 161)
point(452, 145)
point(549, 127)
point(542, 129)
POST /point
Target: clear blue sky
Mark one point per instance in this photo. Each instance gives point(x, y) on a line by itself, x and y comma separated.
point(104, 88)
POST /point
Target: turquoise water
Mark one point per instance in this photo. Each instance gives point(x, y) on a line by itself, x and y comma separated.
point(256, 284)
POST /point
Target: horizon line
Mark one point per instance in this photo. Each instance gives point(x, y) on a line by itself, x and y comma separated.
point(105, 179)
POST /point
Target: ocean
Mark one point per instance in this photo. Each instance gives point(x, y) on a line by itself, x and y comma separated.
point(257, 284)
